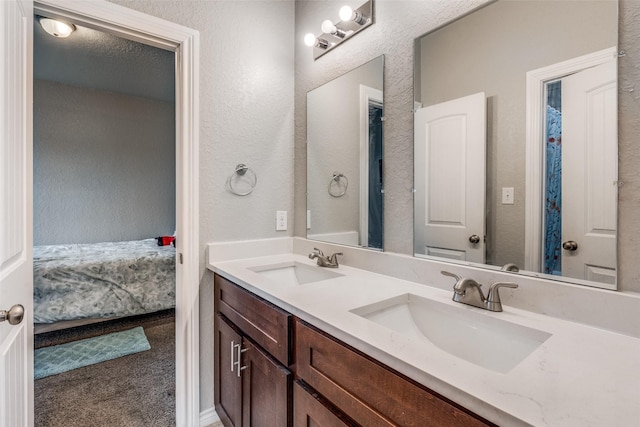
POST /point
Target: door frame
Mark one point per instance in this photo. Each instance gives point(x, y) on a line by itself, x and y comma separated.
point(367, 95)
point(534, 163)
point(185, 42)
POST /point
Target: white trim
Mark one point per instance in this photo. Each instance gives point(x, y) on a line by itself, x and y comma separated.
point(534, 164)
point(208, 417)
point(150, 30)
point(367, 95)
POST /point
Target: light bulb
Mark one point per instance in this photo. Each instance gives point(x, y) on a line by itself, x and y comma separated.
point(328, 27)
point(310, 40)
point(346, 13)
point(57, 28)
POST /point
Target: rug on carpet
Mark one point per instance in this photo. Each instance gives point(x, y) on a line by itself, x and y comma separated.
point(77, 354)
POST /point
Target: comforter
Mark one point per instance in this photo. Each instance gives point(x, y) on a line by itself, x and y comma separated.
point(99, 280)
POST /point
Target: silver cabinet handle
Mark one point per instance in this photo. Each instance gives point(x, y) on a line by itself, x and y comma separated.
point(569, 245)
point(14, 315)
point(238, 363)
point(474, 239)
point(233, 354)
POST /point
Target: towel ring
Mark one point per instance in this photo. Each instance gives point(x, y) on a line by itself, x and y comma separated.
point(242, 181)
point(338, 185)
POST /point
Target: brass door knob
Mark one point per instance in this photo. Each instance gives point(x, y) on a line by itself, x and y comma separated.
point(569, 245)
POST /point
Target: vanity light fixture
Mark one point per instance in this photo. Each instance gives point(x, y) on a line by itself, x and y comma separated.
point(329, 27)
point(348, 14)
point(56, 28)
point(351, 22)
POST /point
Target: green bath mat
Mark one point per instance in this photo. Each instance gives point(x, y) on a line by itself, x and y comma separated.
point(77, 354)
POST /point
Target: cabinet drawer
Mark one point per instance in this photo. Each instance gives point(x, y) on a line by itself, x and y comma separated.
point(310, 411)
point(266, 324)
point(367, 391)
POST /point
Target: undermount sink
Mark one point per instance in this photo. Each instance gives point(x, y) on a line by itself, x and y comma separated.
point(486, 341)
point(294, 273)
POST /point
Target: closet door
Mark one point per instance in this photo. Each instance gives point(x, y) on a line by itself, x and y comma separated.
point(16, 247)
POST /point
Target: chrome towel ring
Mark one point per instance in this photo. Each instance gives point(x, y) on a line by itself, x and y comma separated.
point(242, 181)
point(338, 185)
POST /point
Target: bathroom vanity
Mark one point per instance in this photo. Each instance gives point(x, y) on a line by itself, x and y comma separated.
point(333, 384)
point(347, 346)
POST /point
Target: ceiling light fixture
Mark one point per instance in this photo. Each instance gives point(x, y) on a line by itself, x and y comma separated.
point(351, 22)
point(56, 28)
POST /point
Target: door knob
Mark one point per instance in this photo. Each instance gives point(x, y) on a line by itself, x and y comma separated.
point(474, 238)
point(14, 315)
point(569, 245)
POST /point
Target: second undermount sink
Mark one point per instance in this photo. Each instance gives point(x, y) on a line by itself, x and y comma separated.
point(294, 273)
point(483, 340)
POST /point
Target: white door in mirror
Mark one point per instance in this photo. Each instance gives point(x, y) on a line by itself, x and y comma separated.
point(589, 173)
point(450, 140)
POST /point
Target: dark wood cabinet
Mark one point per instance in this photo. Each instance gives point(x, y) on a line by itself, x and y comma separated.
point(252, 387)
point(367, 391)
point(228, 387)
point(310, 410)
point(257, 346)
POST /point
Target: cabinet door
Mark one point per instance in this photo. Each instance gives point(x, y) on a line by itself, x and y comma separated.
point(309, 411)
point(368, 392)
point(228, 386)
point(266, 390)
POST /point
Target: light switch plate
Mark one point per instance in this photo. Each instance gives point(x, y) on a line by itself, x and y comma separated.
point(507, 195)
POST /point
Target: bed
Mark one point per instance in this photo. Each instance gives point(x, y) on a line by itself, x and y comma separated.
point(82, 283)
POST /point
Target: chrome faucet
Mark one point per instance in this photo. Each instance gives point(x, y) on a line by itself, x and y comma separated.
point(323, 260)
point(510, 267)
point(467, 291)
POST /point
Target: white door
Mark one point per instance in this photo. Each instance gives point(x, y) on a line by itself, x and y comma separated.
point(589, 173)
point(16, 271)
point(450, 141)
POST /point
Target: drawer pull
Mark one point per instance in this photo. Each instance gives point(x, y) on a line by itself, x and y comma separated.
point(236, 364)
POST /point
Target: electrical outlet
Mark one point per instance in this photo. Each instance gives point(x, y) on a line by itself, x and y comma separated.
point(281, 220)
point(507, 195)
point(308, 220)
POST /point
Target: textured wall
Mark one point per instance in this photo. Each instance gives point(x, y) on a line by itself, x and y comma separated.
point(246, 116)
point(499, 59)
point(104, 166)
point(629, 146)
point(398, 23)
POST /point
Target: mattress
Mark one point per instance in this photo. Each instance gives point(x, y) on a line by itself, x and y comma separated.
point(100, 280)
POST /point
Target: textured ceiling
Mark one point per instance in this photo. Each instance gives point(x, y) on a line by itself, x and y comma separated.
point(90, 58)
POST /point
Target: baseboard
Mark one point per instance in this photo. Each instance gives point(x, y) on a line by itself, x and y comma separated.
point(208, 417)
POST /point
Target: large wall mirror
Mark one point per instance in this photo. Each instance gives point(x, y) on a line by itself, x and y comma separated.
point(344, 158)
point(516, 140)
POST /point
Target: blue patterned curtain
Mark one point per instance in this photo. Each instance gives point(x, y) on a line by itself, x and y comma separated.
point(553, 182)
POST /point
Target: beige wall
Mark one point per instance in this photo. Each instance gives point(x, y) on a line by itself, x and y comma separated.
point(500, 44)
point(398, 23)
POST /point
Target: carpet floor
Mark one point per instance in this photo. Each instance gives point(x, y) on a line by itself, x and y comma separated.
point(137, 390)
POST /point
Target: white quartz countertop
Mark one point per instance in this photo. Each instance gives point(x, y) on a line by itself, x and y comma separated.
point(580, 376)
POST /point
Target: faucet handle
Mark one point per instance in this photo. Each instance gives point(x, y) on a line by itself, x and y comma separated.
point(493, 297)
point(318, 251)
point(455, 276)
point(333, 258)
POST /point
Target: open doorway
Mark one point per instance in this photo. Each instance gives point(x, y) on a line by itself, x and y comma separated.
point(104, 188)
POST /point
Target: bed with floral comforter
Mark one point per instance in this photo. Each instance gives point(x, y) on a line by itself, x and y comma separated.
point(102, 280)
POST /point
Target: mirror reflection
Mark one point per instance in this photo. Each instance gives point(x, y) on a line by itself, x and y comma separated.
point(344, 158)
point(516, 139)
